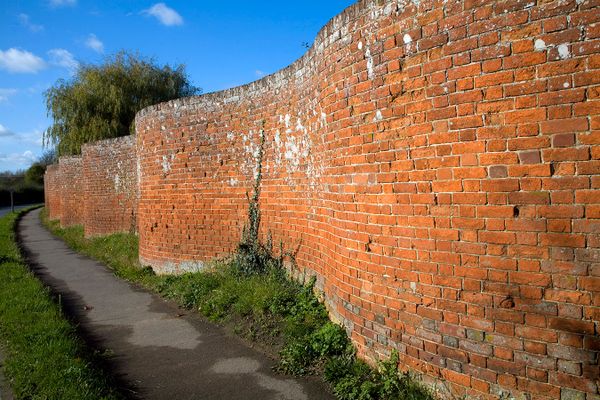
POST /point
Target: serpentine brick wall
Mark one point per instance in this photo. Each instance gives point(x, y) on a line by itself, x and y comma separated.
point(110, 186)
point(435, 163)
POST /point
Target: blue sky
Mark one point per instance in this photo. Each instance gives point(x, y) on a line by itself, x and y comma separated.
point(222, 43)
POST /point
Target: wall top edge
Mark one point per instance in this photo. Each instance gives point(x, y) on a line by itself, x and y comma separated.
point(332, 27)
point(69, 160)
point(108, 142)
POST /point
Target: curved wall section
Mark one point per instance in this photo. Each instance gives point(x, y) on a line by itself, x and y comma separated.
point(71, 188)
point(435, 163)
point(52, 194)
point(110, 186)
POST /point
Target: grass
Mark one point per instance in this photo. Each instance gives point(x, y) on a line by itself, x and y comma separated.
point(282, 316)
point(45, 359)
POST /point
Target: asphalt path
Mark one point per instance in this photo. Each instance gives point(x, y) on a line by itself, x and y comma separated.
point(159, 350)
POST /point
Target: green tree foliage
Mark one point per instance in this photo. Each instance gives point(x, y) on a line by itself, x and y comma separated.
point(49, 157)
point(101, 101)
point(34, 176)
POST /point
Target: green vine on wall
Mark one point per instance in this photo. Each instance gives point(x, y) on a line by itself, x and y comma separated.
point(252, 256)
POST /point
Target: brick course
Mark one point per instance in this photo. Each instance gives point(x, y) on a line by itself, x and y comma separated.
point(435, 164)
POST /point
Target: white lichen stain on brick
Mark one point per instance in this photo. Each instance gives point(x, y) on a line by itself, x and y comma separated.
point(413, 287)
point(360, 45)
point(299, 126)
point(563, 51)
point(406, 38)
point(251, 151)
point(233, 182)
point(117, 181)
point(378, 116)
point(231, 99)
point(539, 45)
point(139, 168)
point(369, 58)
point(166, 163)
point(566, 85)
point(292, 152)
point(277, 138)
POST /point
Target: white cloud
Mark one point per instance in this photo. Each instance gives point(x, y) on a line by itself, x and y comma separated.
point(26, 22)
point(259, 73)
point(61, 3)
point(63, 58)
point(20, 61)
point(34, 137)
point(94, 43)
point(166, 15)
point(6, 93)
point(4, 132)
point(20, 159)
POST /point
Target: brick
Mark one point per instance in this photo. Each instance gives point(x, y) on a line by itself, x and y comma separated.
point(561, 97)
point(571, 325)
point(563, 140)
point(498, 171)
point(529, 198)
point(564, 126)
point(571, 394)
point(530, 157)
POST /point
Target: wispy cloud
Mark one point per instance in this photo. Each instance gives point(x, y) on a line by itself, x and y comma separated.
point(62, 3)
point(5, 132)
point(34, 137)
point(94, 43)
point(26, 22)
point(6, 93)
point(165, 15)
point(63, 58)
point(20, 61)
point(259, 73)
point(20, 159)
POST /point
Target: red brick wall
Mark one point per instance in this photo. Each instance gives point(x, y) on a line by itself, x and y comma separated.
point(110, 186)
point(435, 164)
point(71, 187)
point(52, 194)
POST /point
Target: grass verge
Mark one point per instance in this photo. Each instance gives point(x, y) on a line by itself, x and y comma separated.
point(45, 359)
point(282, 316)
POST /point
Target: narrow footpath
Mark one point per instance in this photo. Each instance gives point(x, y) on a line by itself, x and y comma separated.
point(159, 350)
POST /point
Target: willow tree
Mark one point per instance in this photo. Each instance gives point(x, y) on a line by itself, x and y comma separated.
point(101, 101)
